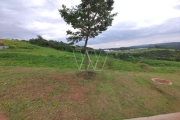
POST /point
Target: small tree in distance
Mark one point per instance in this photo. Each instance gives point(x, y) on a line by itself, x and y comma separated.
point(89, 18)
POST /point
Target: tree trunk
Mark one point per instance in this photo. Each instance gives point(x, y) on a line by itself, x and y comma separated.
point(86, 58)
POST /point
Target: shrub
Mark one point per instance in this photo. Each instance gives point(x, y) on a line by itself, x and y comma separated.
point(145, 67)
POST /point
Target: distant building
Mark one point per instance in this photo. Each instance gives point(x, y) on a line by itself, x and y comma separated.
point(0, 41)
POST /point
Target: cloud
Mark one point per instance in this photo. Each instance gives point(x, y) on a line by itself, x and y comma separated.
point(136, 19)
point(139, 10)
point(29, 17)
point(13, 30)
point(177, 7)
point(113, 35)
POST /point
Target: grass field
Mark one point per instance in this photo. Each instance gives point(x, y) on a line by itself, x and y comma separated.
point(41, 83)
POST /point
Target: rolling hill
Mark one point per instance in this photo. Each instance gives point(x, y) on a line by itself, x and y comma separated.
point(171, 45)
point(43, 83)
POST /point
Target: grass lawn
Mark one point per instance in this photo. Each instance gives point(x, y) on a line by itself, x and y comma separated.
point(42, 84)
point(37, 93)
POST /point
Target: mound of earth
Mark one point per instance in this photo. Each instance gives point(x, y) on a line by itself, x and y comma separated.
point(161, 81)
point(82, 74)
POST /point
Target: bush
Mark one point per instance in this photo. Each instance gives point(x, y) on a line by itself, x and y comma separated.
point(145, 67)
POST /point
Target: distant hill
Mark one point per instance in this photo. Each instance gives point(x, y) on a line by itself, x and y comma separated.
point(171, 45)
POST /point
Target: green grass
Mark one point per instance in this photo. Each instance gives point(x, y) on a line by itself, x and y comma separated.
point(26, 48)
point(41, 83)
point(37, 93)
point(28, 55)
point(28, 60)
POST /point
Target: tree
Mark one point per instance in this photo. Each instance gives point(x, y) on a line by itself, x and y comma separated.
point(89, 18)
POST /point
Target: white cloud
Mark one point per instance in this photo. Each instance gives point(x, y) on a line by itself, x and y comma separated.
point(134, 19)
point(34, 2)
point(157, 11)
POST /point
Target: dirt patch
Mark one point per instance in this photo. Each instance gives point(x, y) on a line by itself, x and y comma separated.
point(60, 77)
point(49, 88)
point(161, 81)
point(82, 74)
point(148, 105)
point(2, 117)
point(77, 92)
point(56, 76)
point(76, 96)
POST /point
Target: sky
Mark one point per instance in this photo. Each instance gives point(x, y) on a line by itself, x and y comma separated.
point(138, 22)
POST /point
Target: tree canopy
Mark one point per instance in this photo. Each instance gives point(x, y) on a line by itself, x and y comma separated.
point(89, 18)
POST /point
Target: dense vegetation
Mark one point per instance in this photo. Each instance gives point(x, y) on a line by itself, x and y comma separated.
point(169, 55)
point(51, 43)
point(62, 46)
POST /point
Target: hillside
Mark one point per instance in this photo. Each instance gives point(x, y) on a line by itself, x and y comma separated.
point(43, 83)
point(25, 54)
point(171, 45)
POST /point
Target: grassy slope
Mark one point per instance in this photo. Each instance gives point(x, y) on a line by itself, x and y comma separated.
point(33, 86)
point(28, 55)
point(24, 54)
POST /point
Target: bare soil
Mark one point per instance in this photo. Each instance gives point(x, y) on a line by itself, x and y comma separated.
point(161, 81)
point(82, 74)
point(2, 117)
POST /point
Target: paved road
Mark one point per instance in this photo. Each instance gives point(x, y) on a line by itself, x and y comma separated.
point(172, 116)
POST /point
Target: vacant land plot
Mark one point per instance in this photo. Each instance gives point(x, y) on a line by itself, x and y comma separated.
point(43, 84)
point(36, 93)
